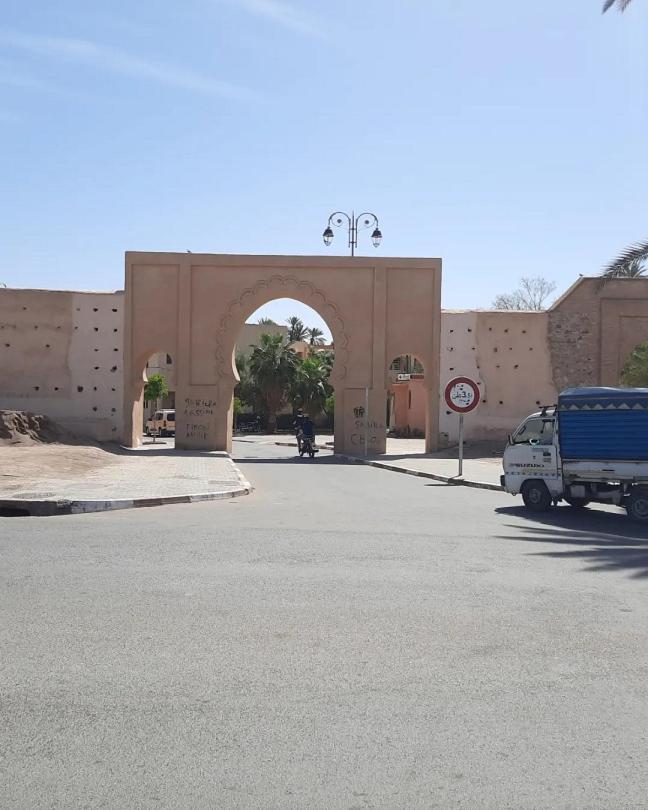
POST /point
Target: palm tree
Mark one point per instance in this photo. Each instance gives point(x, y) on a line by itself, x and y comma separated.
point(622, 5)
point(273, 367)
point(316, 336)
point(311, 387)
point(630, 264)
point(245, 389)
point(266, 322)
point(296, 329)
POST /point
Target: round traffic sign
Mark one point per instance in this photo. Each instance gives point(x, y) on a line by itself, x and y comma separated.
point(462, 394)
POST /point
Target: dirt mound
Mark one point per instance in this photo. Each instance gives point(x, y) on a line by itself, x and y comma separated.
point(21, 427)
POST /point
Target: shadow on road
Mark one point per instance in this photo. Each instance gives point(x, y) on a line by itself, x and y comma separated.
point(327, 459)
point(609, 541)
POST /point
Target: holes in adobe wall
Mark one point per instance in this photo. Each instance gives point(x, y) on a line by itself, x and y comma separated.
point(113, 369)
point(115, 310)
point(79, 388)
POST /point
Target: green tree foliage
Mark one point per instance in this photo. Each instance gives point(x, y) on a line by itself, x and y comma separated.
point(245, 390)
point(273, 368)
point(296, 329)
point(630, 264)
point(155, 388)
point(635, 371)
point(311, 387)
point(267, 322)
point(315, 336)
point(622, 5)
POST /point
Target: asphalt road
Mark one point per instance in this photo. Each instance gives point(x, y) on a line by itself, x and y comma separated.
point(345, 637)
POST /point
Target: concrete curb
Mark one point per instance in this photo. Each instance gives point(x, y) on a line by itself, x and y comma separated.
point(48, 508)
point(450, 480)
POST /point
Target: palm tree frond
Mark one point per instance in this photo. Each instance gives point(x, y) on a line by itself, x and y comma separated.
point(629, 264)
point(622, 5)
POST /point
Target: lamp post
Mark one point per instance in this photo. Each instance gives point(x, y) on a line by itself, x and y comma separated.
point(355, 224)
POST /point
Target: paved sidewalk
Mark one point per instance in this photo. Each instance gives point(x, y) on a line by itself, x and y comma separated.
point(480, 473)
point(482, 464)
point(149, 476)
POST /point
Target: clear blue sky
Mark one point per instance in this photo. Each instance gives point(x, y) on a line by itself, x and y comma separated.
point(509, 138)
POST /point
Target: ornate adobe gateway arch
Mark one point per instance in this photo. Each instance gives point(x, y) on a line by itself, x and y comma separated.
point(194, 305)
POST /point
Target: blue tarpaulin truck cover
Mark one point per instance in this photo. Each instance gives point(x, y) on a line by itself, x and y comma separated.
point(603, 423)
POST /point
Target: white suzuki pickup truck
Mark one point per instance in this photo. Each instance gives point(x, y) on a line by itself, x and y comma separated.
point(590, 447)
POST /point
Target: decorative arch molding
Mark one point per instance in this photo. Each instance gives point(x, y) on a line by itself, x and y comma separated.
point(265, 290)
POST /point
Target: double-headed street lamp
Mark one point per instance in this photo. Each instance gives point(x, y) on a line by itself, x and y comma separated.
point(355, 223)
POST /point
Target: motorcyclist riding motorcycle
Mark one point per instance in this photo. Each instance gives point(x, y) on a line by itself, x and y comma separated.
point(298, 424)
point(308, 438)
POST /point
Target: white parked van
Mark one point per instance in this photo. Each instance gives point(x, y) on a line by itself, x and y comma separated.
point(161, 424)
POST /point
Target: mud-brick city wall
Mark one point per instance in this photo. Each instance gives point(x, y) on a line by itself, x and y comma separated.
point(507, 353)
point(61, 355)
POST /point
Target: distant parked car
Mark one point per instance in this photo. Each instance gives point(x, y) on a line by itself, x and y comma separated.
point(161, 424)
point(249, 423)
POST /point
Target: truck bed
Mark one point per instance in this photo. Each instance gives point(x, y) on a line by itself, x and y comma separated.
point(608, 426)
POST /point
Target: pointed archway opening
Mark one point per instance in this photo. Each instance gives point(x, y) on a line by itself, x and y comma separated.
point(284, 358)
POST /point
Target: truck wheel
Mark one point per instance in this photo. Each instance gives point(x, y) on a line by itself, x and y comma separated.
point(637, 505)
point(577, 503)
point(536, 496)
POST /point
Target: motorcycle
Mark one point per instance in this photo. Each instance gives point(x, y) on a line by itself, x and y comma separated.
point(307, 445)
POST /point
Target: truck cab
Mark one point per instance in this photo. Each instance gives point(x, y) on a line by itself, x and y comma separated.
point(532, 453)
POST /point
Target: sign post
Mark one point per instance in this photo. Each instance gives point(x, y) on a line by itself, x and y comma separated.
point(461, 417)
point(462, 396)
